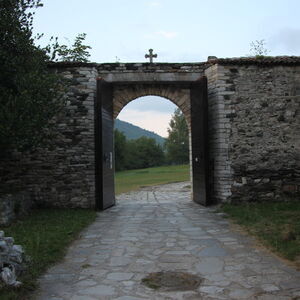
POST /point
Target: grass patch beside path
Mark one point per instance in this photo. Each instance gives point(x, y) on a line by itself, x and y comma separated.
point(134, 179)
point(44, 234)
point(277, 225)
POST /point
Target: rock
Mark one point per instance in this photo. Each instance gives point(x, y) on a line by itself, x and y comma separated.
point(9, 241)
point(11, 261)
point(18, 249)
point(3, 247)
point(9, 277)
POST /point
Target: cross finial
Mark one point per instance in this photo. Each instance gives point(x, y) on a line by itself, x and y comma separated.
point(151, 55)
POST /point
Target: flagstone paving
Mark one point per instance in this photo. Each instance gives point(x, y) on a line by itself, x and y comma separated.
point(161, 229)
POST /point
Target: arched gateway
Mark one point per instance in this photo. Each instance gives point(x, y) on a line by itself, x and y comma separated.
point(243, 116)
point(190, 95)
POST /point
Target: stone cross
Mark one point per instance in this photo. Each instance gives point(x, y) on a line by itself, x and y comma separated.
point(151, 55)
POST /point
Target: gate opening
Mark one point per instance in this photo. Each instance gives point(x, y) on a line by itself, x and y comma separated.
point(151, 144)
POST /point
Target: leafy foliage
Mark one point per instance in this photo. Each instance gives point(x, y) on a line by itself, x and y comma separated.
point(140, 153)
point(144, 153)
point(29, 94)
point(120, 150)
point(258, 48)
point(177, 143)
point(78, 52)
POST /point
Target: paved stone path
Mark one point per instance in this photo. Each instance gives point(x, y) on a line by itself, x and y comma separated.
point(156, 229)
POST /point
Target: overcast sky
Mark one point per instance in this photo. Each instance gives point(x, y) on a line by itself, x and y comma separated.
point(177, 30)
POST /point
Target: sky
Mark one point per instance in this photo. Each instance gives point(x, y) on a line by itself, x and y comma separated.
point(178, 31)
point(150, 112)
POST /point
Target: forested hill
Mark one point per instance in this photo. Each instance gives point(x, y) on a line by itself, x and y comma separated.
point(134, 132)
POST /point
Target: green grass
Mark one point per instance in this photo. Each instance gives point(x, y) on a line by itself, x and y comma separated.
point(44, 234)
point(277, 225)
point(134, 179)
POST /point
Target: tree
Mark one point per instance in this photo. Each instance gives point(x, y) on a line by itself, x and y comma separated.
point(120, 150)
point(149, 152)
point(78, 52)
point(144, 152)
point(258, 48)
point(29, 94)
point(140, 153)
point(177, 143)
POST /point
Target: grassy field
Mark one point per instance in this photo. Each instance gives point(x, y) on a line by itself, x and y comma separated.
point(134, 179)
point(277, 225)
point(44, 234)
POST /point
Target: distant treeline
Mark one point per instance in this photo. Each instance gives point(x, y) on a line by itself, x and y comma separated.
point(141, 153)
point(144, 152)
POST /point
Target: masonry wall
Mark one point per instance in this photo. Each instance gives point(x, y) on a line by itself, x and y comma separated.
point(254, 133)
point(61, 174)
point(262, 105)
point(219, 110)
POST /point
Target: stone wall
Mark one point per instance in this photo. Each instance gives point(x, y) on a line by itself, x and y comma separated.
point(146, 72)
point(219, 132)
point(262, 105)
point(61, 174)
point(253, 129)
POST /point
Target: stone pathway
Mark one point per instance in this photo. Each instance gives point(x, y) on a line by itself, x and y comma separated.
point(160, 229)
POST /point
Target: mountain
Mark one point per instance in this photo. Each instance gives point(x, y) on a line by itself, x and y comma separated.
point(134, 132)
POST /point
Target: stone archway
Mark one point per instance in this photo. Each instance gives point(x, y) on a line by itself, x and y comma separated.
point(124, 94)
point(190, 97)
